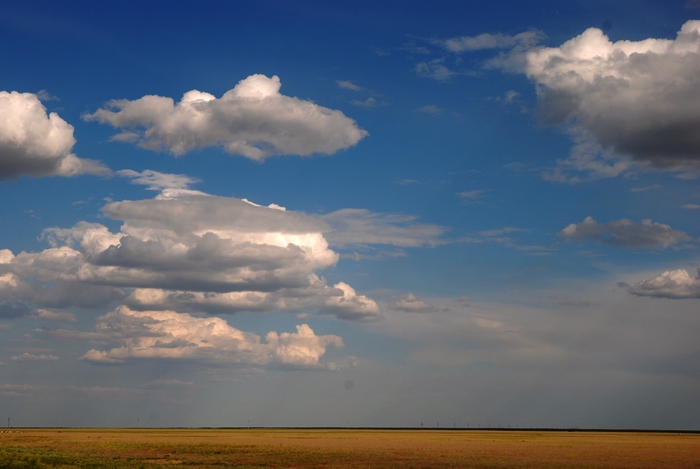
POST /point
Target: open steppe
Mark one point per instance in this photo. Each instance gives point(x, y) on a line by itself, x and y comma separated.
point(344, 448)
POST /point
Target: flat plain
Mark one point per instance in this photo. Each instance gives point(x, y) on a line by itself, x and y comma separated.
point(344, 448)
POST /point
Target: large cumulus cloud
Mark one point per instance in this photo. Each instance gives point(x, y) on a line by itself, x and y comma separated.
point(187, 251)
point(637, 99)
point(33, 143)
point(180, 336)
point(253, 119)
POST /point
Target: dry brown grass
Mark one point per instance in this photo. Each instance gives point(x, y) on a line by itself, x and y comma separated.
point(292, 448)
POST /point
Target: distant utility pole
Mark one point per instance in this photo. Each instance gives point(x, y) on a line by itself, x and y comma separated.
point(137, 422)
point(8, 422)
point(421, 424)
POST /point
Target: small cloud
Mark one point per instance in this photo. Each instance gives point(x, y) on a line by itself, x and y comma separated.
point(516, 166)
point(53, 315)
point(168, 384)
point(691, 206)
point(507, 98)
point(369, 102)
point(491, 41)
point(625, 233)
point(431, 109)
point(28, 357)
point(406, 182)
point(674, 284)
point(348, 85)
point(361, 227)
point(472, 197)
point(411, 304)
point(501, 232)
point(645, 188)
point(156, 181)
point(434, 69)
point(44, 95)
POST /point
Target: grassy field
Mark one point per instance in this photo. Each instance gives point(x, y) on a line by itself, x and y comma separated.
point(297, 448)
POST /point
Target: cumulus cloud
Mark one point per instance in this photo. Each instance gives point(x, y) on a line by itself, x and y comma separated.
point(33, 143)
point(360, 226)
point(625, 233)
point(675, 284)
point(350, 305)
point(180, 336)
point(633, 99)
point(253, 120)
point(340, 301)
point(411, 304)
point(187, 251)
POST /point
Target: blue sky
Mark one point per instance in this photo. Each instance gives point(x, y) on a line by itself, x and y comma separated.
point(350, 213)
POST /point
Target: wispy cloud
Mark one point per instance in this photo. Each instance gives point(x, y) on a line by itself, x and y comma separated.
point(431, 109)
point(348, 85)
point(490, 41)
point(473, 196)
point(156, 181)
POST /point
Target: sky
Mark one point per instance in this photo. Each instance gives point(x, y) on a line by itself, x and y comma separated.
point(367, 213)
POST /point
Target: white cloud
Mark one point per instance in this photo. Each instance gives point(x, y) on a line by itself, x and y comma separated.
point(28, 357)
point(636, 99)
point(340, 301)
point(676, 284)
point(180, 336)
point(348, 85)
point(350, 305)
point(625, 233)
point(253, 119)
point(189, 251)
point(33, 143)
point(691, 206)
point(156, 181)
point(491, 41)
point(360, 226)
point(411, 304)
point(431, 109)
point(368, 103)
